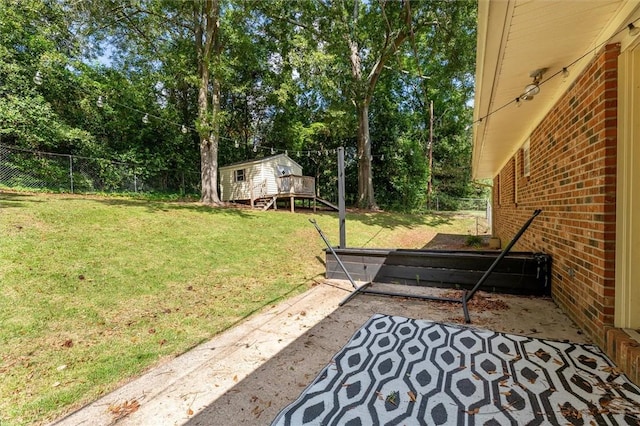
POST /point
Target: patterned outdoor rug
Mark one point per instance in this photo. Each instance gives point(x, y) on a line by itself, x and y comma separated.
point(400, 371)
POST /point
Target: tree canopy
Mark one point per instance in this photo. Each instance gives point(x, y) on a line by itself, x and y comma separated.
point(218, 81)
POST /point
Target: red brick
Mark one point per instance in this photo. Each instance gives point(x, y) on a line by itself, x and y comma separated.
point(573, 179)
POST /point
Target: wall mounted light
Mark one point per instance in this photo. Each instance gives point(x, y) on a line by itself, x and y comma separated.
point(633, 30)
point(533, 89)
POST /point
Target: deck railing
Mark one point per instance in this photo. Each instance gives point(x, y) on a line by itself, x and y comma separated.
point(296, 185)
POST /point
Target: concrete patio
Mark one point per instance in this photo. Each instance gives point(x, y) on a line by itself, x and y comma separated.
point(247, 374)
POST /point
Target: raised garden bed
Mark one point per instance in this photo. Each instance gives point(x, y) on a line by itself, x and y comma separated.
point(523, 273)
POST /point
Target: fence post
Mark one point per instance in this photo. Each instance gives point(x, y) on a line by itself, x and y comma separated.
point(342, 212)
point(71, 172)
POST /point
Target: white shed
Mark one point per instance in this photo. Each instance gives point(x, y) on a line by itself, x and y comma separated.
point(255, 179)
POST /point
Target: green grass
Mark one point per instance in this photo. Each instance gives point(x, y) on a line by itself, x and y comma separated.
point(94, 290)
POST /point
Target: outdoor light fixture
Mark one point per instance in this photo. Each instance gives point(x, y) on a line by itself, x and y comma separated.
point(633, 30)
point(273, 151)
point(37, 79)
point(100, 102)
point(145, 119)
point(533, 89)
point(184, 129)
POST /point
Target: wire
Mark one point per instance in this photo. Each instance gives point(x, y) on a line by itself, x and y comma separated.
point(561, 71)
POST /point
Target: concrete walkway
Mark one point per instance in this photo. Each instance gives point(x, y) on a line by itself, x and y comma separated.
point(247, 374)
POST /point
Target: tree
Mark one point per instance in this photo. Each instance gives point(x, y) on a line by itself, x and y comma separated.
point(358, 39)
point(155, 34)
point(34, 40)
point(206, 20)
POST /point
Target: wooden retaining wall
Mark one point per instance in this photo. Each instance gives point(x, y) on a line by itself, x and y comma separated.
point(518, 273)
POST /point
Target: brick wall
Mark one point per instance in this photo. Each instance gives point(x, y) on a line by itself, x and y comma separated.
point(572, 179)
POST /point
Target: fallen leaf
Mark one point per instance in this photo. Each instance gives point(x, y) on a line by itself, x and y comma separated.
point(152, 331)
point(472, 412)
point(189, 412)
point(122, 410)
point(55, 385)
point(612, 370)
point(392, 398)
point(541, 353)
point(61, 367)
point(412, 396)
point(67, 343)
point(235, 378)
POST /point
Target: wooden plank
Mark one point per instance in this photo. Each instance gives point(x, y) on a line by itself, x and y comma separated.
point(520, 273)
point(519, 264)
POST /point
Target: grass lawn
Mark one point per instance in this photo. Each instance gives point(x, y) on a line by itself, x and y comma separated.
point(93, 290)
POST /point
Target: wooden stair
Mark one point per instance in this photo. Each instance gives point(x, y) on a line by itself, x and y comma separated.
point(264, 203)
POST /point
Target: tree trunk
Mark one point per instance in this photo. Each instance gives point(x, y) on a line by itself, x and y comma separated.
point(366, 197)
point(361, 101)
point(207, 43)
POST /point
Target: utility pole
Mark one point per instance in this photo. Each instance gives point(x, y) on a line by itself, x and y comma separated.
point(430, 182)
point(342, 213)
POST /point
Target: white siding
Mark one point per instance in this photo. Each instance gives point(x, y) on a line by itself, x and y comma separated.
point(257, 172)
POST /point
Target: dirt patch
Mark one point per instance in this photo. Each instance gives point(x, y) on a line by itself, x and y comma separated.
point(456, 242)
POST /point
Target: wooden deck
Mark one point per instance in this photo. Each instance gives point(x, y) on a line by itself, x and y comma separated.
point(290, 187)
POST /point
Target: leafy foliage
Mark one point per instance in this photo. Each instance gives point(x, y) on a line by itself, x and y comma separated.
point(286, 77)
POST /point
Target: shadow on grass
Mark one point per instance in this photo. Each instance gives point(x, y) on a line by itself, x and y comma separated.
point(165, 206)
point(400, 220)
point(16, 199)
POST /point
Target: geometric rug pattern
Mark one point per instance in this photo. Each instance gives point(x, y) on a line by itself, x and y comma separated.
point(401, 371)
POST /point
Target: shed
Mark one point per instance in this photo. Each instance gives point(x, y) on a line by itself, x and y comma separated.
point(261, 182)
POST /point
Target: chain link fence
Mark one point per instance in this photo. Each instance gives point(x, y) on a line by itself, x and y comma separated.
point(24, 169)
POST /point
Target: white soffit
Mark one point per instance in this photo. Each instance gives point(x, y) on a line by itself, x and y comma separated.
point(517, 37)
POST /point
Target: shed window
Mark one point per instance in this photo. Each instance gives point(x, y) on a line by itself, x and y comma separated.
point(238, 175)
point(284, 170)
